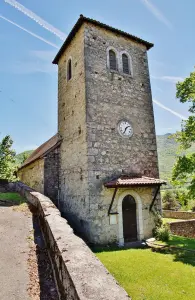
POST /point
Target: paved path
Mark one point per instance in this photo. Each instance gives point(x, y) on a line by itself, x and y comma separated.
point(15, 228)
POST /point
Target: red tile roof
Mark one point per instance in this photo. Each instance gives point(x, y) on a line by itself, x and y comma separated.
point(46, 147)
point(125, 181)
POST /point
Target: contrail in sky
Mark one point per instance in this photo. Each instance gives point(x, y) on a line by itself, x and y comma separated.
point(169, 109)
point(36, 18)
point(157, 13)
point(30, 32)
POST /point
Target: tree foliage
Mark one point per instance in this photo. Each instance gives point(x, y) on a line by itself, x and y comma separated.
point(184, 169)
point(21, 157)
point(169, 200)
point(7, 159)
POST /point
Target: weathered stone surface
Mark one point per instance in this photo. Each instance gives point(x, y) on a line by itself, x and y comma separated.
point(51, 175)
point(186, 215)
point(109, 100)
point(72, 127)
point(90, 105)
point(33, 175)
point(43, 175)
point(183, 228)
point(78, 272)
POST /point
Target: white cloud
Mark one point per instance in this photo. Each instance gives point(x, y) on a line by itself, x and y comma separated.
point(157, 13)
point(41, 62)
point(43, 55)
point(169, 109)
point(30, 32)
point(37, 19)
point(172, 79)
point(156, 88)
point(29, 67)
point(37, 62)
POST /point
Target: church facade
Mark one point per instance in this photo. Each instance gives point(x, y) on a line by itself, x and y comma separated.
point(108, 179)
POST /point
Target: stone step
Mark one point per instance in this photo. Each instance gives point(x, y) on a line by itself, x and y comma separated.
point(136, 244)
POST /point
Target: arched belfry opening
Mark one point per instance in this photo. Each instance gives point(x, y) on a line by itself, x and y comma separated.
point(129, 219)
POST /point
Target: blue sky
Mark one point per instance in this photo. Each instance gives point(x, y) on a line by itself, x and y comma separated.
point(28, 80)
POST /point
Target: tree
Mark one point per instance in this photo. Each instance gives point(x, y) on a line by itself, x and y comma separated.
point(21, 157)
point(169, 200)
point(7, 159)
point(184, 169)
point(24, 156)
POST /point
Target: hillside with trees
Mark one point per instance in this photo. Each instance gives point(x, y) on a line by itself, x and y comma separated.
point(21, 157)
point(167, 154)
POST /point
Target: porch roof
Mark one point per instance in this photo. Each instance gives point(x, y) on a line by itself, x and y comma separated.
point(125, 181)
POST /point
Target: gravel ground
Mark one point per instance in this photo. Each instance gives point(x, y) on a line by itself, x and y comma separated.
point(25, 269)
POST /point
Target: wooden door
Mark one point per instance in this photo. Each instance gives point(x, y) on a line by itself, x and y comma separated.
point(129, 219)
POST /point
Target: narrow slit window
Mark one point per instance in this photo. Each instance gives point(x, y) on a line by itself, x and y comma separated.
point(112, 60)
point(126, 67)
point(69, 70)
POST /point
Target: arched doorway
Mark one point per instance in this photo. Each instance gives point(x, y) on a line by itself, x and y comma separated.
point(129, 219)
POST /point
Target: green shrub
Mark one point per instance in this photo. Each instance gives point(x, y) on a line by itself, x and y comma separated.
point(191, 205)
point(181, 197)
point(162, 233)
point(169, 200)
point(158, 219)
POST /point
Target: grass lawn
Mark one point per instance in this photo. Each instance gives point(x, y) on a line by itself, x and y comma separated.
point(13, 198)
point(152, 275)
point(180, 241)
point(167, 220)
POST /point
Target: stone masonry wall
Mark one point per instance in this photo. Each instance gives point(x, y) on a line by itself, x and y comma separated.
point(74, 200)
point(186, 215)
point(183, 228)
point(78, 272)
point(33, 175)
point(90, 105)
point(43, 175)
point(51, 175)
point(111, 97)
point(110, 232)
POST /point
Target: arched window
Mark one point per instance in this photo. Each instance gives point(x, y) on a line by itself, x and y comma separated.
point(126, 66)
point(112, 60)
point(69, 70)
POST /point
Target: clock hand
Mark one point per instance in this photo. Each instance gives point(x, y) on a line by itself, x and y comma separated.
point(126, 129)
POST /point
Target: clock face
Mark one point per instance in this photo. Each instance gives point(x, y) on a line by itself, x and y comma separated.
point(125, 128)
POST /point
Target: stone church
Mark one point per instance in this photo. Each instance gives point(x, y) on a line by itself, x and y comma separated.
point(101, 168)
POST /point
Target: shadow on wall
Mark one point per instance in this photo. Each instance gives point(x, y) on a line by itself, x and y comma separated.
point(46, 279)
point(81, 227)
point(51, 175)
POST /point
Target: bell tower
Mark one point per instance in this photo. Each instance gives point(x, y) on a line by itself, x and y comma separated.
point(106, 121)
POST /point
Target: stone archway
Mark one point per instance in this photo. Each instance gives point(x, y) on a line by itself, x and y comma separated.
point(139, 218)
